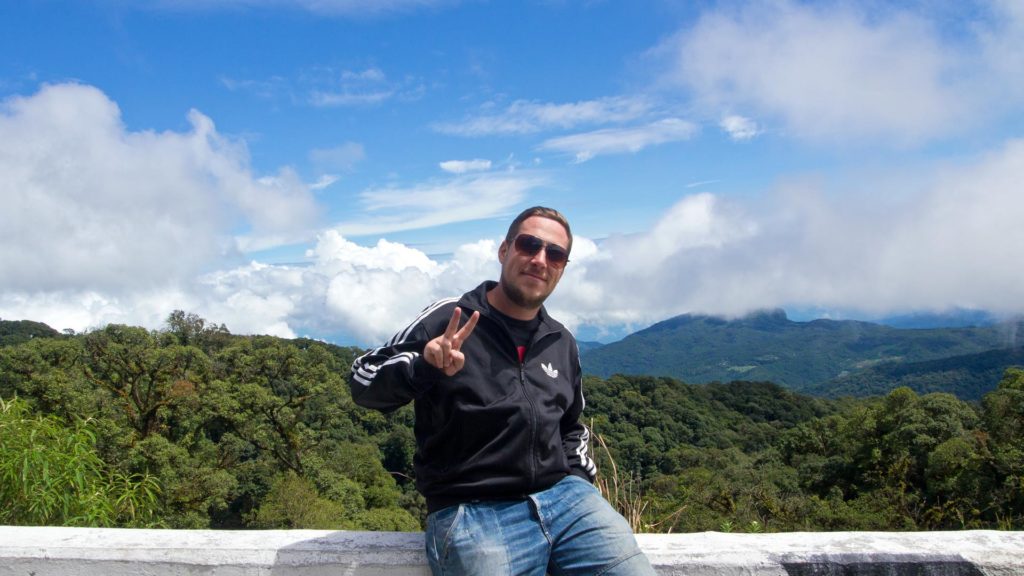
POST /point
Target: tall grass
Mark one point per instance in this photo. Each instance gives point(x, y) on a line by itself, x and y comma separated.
point(624, 490)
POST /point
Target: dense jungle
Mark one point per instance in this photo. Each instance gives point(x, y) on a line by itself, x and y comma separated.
point(190, 426)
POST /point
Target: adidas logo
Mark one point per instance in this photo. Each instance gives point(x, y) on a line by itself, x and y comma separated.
point(552, 372)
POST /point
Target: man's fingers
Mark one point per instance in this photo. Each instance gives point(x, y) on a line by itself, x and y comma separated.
point(443, 352)
point(458, 360)
point(446, 352)
point(432, 354)
point(453, 324)
point(466, 330)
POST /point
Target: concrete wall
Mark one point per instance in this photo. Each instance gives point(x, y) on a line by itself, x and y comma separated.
point(106, 552)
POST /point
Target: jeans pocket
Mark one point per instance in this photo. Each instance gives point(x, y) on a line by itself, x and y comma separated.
point(440, 527)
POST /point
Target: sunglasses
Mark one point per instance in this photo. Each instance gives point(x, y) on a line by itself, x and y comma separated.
point(531, 245)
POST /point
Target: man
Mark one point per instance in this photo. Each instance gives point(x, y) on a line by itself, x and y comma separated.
point(502, 457)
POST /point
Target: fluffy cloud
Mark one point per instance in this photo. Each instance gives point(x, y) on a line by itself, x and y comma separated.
point(829, 71)
point(954, 244)
point(91, 205)
point(364, 294)
point(102, 224)
point(739, 127)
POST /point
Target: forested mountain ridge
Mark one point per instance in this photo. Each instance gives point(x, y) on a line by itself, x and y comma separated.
point(18, 331)
point(968, 376)
point(799, 355)
point(190, 426)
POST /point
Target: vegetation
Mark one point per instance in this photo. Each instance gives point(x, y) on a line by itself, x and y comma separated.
point(190, 426)
point(821, 357)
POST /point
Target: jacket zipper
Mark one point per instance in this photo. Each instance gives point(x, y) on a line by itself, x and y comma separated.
point(533, 423)
point(533, 407)
point(529, 398)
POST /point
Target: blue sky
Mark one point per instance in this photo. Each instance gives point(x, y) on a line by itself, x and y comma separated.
point(326, 168)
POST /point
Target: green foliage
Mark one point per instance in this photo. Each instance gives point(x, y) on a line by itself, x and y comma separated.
point(901, 462)
point(968, 376)
point(19, 331)
point(294, 502)
point(821, 357)
point(191, 426)
point(50, 474)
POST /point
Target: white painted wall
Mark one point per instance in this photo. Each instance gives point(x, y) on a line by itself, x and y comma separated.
point(30, 551)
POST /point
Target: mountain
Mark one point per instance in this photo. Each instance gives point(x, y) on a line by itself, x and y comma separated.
point(14, 332)
point(768, 346)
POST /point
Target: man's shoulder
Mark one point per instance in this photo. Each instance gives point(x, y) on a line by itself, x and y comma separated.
point(438, 309)
point(552, 325)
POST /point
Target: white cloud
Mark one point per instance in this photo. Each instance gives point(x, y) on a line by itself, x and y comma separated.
point(526, 117)
point(621, 140)
point(461, 199)
point(1002, 42)
point(739, 127)
point(104, 224)
point(463, 166)
point(343, 8)
point(367, 293)
point(346, 98)
point(829, 71)
point(90, 205)
point(954, 245)
point(329, 87)
point(342, 157)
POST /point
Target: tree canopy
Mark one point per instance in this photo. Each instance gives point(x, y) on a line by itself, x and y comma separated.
point(193, 427)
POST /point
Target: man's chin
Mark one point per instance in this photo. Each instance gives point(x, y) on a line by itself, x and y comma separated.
point(523, 299)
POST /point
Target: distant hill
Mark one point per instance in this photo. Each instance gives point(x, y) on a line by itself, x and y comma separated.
point(13, 332)
point(969, 376)
point(802, 356)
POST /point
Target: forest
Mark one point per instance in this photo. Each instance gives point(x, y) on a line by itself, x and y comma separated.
point(191, 426)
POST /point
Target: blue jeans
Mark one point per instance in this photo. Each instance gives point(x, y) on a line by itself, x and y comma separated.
point(568, 529)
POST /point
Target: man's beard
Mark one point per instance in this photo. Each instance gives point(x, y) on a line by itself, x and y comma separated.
point(518, 297)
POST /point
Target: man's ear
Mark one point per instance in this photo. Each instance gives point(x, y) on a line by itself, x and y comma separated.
point(503, 251)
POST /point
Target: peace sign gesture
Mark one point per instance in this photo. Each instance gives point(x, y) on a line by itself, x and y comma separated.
point(444, 351)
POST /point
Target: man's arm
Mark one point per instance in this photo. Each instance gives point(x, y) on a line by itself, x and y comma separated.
point(388, 377)
point(576, 436)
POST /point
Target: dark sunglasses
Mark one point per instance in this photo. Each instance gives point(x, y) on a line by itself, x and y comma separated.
point(531, 245)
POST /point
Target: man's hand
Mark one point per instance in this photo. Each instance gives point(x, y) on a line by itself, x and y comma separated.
point(444, 351)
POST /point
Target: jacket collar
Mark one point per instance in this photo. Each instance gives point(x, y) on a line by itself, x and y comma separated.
point(477, 300)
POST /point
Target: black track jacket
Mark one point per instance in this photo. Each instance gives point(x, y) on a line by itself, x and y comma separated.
point(498, 429)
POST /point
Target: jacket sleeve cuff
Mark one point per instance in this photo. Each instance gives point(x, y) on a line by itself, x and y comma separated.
point(581, 473)
point(424, 376)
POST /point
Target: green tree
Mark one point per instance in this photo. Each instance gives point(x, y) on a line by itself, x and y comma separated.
point(147, 379)
point(1003, 411)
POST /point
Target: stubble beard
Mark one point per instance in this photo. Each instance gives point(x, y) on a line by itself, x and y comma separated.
point(518, 297)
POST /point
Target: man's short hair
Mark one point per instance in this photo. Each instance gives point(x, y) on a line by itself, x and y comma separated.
point(543, 212)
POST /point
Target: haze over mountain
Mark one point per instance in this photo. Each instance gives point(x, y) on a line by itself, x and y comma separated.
point(821, 356)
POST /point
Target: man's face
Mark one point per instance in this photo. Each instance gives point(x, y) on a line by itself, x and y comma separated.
point(528, 280)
